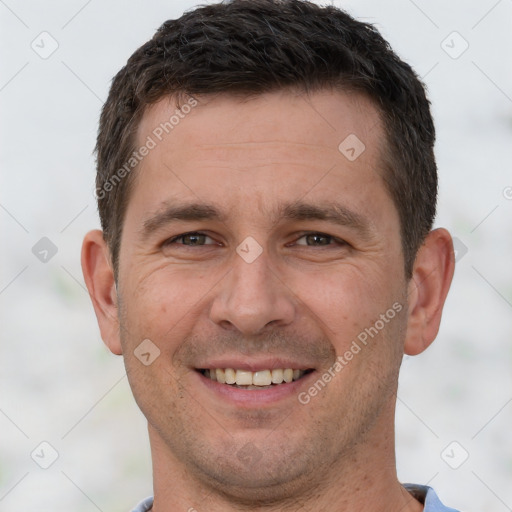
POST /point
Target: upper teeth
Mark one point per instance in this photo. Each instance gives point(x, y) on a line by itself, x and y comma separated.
point(259, 378)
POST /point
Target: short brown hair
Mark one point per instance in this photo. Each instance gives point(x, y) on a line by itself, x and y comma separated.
point(251, 47)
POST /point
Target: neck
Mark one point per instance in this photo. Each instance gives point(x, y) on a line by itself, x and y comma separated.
point(364, 479)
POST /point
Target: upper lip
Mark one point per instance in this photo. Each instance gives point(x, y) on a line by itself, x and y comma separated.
point(254, 365)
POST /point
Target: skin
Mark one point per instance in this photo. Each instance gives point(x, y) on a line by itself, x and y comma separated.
point(304, 298)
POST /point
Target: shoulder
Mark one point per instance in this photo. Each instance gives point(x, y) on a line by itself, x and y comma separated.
point(428, 497)
point(144, 505)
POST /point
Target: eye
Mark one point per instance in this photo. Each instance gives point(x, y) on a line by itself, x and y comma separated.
point(191, 239)
point(318, 240)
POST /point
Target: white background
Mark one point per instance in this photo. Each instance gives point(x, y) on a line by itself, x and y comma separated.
point(60, 385)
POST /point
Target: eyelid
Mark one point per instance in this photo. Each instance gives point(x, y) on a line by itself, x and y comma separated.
point(339, 241)
point(177, 237)
point(303, 234)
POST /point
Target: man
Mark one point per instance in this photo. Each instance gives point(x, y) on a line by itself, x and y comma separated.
point(266, 187)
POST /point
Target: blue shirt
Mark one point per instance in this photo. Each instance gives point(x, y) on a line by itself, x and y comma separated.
point(422, 493)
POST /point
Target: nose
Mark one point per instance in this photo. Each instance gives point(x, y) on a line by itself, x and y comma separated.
point(251, 297)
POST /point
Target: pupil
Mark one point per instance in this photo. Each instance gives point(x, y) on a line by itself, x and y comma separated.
point(316, 238)
point(194, 239)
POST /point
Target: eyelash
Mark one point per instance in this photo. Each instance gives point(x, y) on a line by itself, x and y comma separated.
point(173, 239)
point(309, 233)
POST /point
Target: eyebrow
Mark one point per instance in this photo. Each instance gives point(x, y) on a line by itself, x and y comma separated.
point(331, 212)
point(172, 212)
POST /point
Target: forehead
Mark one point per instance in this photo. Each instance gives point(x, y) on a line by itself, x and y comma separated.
point(250, 151)
point(283, 120)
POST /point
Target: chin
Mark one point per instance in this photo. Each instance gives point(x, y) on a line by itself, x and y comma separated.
point(252, 475)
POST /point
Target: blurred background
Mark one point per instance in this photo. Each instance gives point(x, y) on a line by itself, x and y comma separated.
point(71, 436)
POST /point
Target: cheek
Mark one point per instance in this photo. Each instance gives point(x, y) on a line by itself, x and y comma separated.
point(362, 313)
point(344, 302)
point(161, 303)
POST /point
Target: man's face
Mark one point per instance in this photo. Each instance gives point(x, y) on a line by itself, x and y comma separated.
point(266, 284)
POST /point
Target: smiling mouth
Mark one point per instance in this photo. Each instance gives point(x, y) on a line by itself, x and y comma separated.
point(262, 379)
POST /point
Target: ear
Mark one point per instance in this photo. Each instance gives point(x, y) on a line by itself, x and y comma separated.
point(428, 287)
point(99, 278)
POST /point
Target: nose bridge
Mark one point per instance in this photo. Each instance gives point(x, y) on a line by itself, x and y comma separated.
point(251, 296)
point(251, 274)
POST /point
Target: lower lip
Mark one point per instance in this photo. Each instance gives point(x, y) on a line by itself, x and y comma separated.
point(254, 397)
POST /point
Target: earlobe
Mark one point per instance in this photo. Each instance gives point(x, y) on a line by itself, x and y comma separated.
point(99, 278)
point(432, 275)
